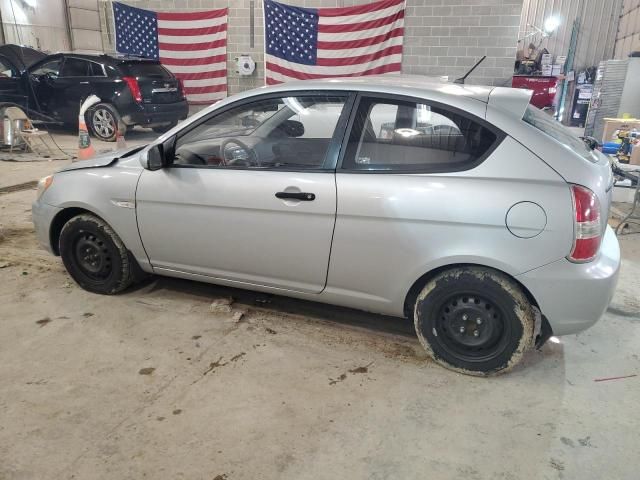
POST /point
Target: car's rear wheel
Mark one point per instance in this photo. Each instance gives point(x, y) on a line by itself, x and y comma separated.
point(474, 320)
point(94, 255)
point(104, 122)
point(164, 127)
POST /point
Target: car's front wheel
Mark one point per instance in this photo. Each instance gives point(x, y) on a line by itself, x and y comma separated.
point(94, 255)
point(474, 320)
point(104, 122)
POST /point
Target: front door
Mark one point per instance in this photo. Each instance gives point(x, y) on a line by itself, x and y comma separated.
point(251, 194)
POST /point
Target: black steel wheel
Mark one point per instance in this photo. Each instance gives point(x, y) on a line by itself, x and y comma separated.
point(94, 255)
point(474, 320)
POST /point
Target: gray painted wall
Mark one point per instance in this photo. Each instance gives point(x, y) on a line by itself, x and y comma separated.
point(442, 37)
point(598, 26)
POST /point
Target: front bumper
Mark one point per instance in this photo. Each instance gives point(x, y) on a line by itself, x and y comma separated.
point(574, 296)
point(149, 114)
point(43, 214)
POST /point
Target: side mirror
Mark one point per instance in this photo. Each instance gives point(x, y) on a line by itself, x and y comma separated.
point(292, 128)
point(155, 157)
point(591, 142)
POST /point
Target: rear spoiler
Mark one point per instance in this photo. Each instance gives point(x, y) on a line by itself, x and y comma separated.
point(513, 101)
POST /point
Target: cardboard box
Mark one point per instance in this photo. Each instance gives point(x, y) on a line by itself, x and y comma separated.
point(546, 70)
point(613, 124)
point(547, 59)
point(635, 155)
point(556, 70)
point(561, 60)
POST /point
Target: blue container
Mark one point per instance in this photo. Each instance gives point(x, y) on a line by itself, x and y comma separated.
point(610, 148)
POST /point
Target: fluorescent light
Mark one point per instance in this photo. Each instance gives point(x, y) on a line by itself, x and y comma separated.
point(551, 24)
point(554, 340)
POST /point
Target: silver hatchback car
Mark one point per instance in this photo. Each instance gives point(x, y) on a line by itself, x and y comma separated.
point(461, 207)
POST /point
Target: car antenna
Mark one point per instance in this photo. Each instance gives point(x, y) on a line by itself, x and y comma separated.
point(462, 79)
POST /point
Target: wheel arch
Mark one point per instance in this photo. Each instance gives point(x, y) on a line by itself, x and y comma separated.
point(413, 292)
point(61, 219)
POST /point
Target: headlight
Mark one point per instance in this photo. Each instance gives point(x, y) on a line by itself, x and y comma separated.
point(43, 184)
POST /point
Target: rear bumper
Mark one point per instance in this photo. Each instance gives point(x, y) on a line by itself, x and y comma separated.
point(150, 114)
point(43, 214)
point(574, 296)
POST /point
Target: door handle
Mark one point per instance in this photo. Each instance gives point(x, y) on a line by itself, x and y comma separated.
point(84, 83)
point(302, 196)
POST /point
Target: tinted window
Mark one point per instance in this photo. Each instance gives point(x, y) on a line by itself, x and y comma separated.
point(289, 132)
point(398, 135)
point(95, 70)
point(52, 68)
point(75, 67)
point(144, 69)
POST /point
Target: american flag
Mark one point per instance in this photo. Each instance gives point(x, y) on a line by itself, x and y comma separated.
point(193, 45)
point(308, 43)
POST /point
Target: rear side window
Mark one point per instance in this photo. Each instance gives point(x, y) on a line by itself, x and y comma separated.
point(95, 70)
point(75, 67)
point(397, 135)
point(549, 126)
point(145, 69)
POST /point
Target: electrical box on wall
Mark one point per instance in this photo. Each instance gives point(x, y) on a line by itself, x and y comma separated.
point(246, 65)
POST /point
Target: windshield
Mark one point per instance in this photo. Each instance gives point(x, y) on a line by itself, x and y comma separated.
point(551, 127)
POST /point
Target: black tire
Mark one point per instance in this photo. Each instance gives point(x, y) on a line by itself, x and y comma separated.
point(94, 255)
point(104, 120)
point(474, 320)
point(164, 128)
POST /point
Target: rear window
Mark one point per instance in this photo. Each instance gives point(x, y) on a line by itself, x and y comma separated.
point(551, 127)
point(148, 70)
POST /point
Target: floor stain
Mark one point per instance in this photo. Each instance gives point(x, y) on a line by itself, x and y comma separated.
point(87, 314)
point(43, 321)
point(341, 378)
point(177, 411)
point(196, 337)
point(213, 366)
point(146, 371)
point(220, 477)
point(556, 464)
point(568, 441)
point(270, 331)
point(585, 442)
point(364, 369)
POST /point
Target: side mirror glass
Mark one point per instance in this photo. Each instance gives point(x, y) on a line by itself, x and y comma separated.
point(155, 157)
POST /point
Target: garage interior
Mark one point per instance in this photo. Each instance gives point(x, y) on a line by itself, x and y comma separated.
point(185, 380)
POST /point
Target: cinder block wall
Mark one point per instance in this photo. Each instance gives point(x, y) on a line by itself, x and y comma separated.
point(442, 37)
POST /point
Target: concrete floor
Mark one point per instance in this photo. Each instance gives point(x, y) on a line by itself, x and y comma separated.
point(154, 384)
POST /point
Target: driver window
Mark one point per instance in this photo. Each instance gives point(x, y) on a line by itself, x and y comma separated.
point(288, 132)
point(51, 68)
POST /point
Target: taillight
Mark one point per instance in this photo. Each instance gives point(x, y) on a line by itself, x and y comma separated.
point(132, 82)
point(181, 88)
point(587, 229)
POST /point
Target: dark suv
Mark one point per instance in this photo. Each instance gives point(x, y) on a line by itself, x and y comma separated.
point(132, 91)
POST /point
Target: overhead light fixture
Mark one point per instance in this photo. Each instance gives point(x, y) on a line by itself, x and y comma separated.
point(551, 24)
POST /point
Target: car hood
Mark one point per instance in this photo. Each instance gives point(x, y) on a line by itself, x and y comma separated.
point(103, 160)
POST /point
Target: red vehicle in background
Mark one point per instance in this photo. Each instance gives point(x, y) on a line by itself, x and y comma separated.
point(544, 88)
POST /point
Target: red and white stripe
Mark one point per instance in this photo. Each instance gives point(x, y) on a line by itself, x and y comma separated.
point(193, 46)
point(352, 41)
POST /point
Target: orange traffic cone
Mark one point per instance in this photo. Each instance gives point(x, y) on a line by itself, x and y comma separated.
point(120, 143)
point(85, 149)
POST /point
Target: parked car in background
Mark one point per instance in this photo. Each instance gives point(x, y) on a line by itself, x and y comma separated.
point(132, 91)
point(463, 208)
point(14, 90)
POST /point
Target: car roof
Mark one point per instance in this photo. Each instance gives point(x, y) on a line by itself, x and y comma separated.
point(104, 58)
point(391, 83)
